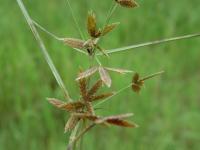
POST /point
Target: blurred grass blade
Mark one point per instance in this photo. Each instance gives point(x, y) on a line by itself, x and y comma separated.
point(43, 49)
point(152, 43)
point(75, 21)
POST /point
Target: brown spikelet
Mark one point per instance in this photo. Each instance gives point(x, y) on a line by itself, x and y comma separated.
point(136, 88)
point(136, 83)
point(109, 28)
point(122, 123)
point(91, 24)
point(136, 78)
point(74, 43)
point(95, 88)
point(73, 106)
point(89, 108)
point(83, 87)
point(102, 96)
point(71, 123)
point(87, 73)
point(117, 120)
point(86, 116)
point(127, 3)
point(105, 77)
point(57, 103)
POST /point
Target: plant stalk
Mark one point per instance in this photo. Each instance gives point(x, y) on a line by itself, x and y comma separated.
point(43, 49)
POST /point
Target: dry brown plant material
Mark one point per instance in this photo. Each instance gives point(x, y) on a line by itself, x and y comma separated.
point(127, 3)
point(91, 44)
point(103, 72)
point(138, 82)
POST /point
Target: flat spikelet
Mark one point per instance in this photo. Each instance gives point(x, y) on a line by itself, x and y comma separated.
point(89, 108)
point(136, 83)
point(92, 25)
point(127, 3)
point(74, 43)
point(109, 28)
point(95, 88)
point(70, 106)
point(83, 87)
point(122, 123)
point(73, 106)
point(55, 102)
point(71, 123)
point(101, 96)
point(87, 73)
point(105, 77)
point(86, 116)
point(114, 120)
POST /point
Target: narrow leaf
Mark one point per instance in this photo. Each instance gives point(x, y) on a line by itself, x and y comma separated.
point(105, 77)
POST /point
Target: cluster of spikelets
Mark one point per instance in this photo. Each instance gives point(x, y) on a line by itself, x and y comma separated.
point(95, 33)
point(83, 109)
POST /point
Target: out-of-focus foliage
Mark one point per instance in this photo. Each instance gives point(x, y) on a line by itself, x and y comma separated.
point(167, 110)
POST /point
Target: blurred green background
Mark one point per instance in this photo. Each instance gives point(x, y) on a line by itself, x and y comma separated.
point(167, 109)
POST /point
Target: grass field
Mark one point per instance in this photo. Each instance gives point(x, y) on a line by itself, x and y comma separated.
point(168, 108)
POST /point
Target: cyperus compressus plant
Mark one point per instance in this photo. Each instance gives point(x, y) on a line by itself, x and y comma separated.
point(83, 108)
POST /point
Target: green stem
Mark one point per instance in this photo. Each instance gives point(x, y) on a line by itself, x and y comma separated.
point(71, 143)
point(43, 49)
point(75, 21)
point(151, 76)
point(126, 48)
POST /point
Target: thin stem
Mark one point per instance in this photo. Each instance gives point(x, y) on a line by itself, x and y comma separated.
point(49, 33)
point(128, 86)
point(75, 20)
point(116, 93)
point(56, 37)
point(109, 15)
point(83, 132)
point(98, 61)
point(152, 75)
point(151, 43)
point(43, 49)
